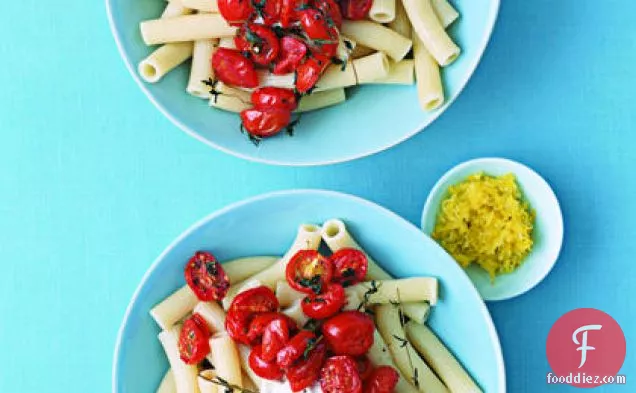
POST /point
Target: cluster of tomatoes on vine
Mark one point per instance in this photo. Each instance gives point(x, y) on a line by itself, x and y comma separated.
point(283, 37)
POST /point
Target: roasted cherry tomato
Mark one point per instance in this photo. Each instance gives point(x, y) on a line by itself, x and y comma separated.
point(206, 277)
point(326, 304)
point(350, 266)
point(260, 322)
point(355, 9)
point(292, 53)
point(235, 11)
point(328, 48)
point(309, 72)
point(231, 67)
point(382, 380)
point(288, 11)
point(295, 348)
point(263, 368)
point(339, 374)
point(274, 97)
point(307, 370)
point(258, 42)
point(264, 123)
point(315, 25)
point(193, 340)
point(308, 271)
point(349, 333)
point(331, 10)
point(270, 12)
point(247, 306)
point(275, 337)
point(365, 368)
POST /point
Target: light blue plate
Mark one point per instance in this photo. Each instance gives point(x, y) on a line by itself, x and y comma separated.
point(373, 119)
point(548, 228)
point(266, 225)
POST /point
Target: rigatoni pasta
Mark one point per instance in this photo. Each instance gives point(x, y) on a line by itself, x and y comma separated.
point(201, 70)
point(382, 11)
point(429, 81)
point(185, 376)
point(378, 37)
point(185, 28)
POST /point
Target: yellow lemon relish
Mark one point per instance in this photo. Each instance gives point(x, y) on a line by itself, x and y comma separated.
point(484, 220)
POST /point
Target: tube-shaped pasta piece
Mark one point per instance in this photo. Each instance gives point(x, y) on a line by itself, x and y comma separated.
point(321, 99)
point(201, 69)
point(286, 81)
point(185, 375)
point(445, 12)
point(201, 5)
point(409, 363)
point(336, 77)
point(248, 383)
point(185, 28)
point(418, 312)
point(213, 315)
point(378, 37)
point(244, 355)
point(163, 60)
point(440, 359)
point(229, 103)
point(295, 312)
point(175, 8)
point(400, 73)
point(382, 11)
point(227, 42)
point(307, 238)
point(173, 308)
point(167, 384)
point(287, 295)
point(246, 97)
point(429, 81)
point(205, 381)
point(362, 51)
point(431, 31)
point(352, 301)
point(401, 24)
point(225, 358)
point(235, 290)
point(240, 269)
point(371, 68)
point(336, 236)
point(379, 355)
point(416, 289)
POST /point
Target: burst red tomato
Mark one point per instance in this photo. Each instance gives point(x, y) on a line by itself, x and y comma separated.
point(315, 25)
point(309, 72)
point(288, 12)
point(258, 42)
point(349, 333)
point(305, 372)
point(382, 380)
point(326, 304)
point(193, 340)
point(355, 9)
point(308, 271)
point(231, 67)
point(365, 368)
point(271, 11)
point(331, 10)
point(247, 306)
point(235, 11)
point(205, 276)
point(264, 123)
point(339, 374)
point(263, 368)
point(274, 97)
point(295, 348)
point(350, 266)
point(260, 322)
point(275, 337)
point(292, 53)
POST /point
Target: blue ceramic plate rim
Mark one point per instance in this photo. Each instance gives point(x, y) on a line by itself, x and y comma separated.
point(307, 192)
point(507, 163)
point(464, 81)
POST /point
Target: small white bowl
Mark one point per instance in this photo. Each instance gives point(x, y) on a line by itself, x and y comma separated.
point(547, 234)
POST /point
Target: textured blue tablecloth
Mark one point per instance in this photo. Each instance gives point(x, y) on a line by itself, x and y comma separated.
point(95, 182)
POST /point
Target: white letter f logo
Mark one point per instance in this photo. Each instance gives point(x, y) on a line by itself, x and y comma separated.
point(584, 347)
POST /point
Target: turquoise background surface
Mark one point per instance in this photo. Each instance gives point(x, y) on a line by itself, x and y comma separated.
point(95, 182)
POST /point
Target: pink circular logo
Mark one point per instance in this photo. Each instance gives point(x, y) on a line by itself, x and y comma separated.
point(585, 348)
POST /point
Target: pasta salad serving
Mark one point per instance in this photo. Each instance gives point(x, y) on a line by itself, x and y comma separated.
point(270, 60)
point(305, 322)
